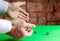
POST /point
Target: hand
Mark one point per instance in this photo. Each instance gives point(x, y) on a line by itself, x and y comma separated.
point(21, 29)
point(16, 12)
point(15, 32)
point(25, 28)
point(15, 5)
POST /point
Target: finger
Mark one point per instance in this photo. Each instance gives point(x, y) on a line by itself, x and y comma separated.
point(21, 14)
point(29, 25)
point(28, 29)
point(17, 4)
point(29, 32)
point(26, 33)
point(21, 17)
point(24, 12)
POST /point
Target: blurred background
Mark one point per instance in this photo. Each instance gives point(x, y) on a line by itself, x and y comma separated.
point(42, 12)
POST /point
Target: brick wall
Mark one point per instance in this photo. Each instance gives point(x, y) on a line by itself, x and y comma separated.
point(42, 12)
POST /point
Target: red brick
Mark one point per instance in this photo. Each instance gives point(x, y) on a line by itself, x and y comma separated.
point(32, 14)
point(55, 1)
point(51, 17)
point(42, 14)
point(58, 23)
point(42, 21)
point(17, 0)
point(51, 23)
point(57, 15)
point(47, 7)
point(57, 5)
point(41, 18)
point(38, 1)
point(33, 20)
point(34, 6)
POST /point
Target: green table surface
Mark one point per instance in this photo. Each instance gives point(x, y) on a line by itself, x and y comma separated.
point(41, 33)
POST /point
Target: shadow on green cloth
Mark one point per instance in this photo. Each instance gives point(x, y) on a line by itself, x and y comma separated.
point(9, 40)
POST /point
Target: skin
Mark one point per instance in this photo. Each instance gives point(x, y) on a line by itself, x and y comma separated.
point(20, 25)
point(18, 14)
point(20, 28)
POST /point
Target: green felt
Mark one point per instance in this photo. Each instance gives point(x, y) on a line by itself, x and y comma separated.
point(41, 33)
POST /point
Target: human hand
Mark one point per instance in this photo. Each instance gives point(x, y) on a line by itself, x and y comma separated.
point(15, 12)
point(21, 29)
point(25, 28)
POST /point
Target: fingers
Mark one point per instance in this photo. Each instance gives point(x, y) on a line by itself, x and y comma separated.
point(29, 25)
point(22, 16)
point(24, 12)
point(27, 32)
point(19, 14)
point(17, 4)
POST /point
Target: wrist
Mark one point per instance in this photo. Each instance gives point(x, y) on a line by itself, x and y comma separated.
point(15, 32)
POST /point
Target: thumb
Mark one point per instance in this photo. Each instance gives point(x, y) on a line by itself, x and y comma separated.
point(18, 4)
point(14, 5)
point(29, 25)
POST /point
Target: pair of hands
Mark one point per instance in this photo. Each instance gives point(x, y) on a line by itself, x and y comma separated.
point(20, 28)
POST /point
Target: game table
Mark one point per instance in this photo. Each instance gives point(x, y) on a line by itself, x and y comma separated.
point(41, 33)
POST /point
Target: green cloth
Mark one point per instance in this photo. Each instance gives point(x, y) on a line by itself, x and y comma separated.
point(41, 33)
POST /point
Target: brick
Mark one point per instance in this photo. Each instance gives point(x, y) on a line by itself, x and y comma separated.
point(48, 7)
point(51, 17)
point(52, 1)
point(57, 15)
point(38, 1)
point(54, 17)
point(34, 6)
point(18, 0)
point(33, 20)
point(43, 14)
point(33, 15)
point(57, 1)
point(42, 18)
point(42, 21)
point(51, 23)
point(59, 23)
point(57, 5)
point(58, 10)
